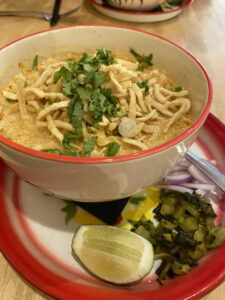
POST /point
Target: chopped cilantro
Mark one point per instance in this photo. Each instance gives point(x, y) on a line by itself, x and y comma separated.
point(98, 79)
point(81, 81)
point(25, 84)
point(84, 93)
point(95, 125)
point(89, 145)
point(112, 149)
point(144, 112)
point(67, 139)
point(122, 114)
point(11, 100)
point(105, 57)
point(35, 63)
point(144, 60)
point(102, 102)
point(177, 89)
point(53, 151)
point(70, 209)
point(143, 84)
point(76, 119)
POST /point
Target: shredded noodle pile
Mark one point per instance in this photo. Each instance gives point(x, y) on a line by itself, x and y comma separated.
point(119, 106)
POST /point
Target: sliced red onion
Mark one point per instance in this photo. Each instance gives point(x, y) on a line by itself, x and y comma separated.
point(175, 187)
point(198, 175)
point(202, 186)
point(178, 177)
point(184, 163)
point(201, 192)
point(178, 168)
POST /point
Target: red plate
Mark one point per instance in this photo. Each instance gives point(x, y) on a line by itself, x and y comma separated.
point(36, 241)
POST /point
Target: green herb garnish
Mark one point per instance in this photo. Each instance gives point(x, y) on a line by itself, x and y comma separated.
point(122, 114)
point(35, 63)
point(144, 60)
point(11, 100)
point(89, 145)
point(112, 149)
point(144, 112)
point(177, 89)
point(53, 151)
point(143, 84)
point(70, 209)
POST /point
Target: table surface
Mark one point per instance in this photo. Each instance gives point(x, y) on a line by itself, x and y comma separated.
point(200, 29)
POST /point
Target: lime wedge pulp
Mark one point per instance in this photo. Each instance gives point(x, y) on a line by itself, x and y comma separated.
point(113, 254)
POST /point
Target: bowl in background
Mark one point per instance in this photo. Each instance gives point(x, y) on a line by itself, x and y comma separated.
point(136, 5)
point(104, 178)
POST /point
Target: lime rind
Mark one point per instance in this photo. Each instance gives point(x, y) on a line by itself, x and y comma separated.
point(108, 262)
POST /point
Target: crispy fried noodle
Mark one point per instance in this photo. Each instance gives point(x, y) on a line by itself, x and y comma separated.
point(93, 105)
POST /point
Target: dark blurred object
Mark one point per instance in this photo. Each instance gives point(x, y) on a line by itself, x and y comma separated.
point(55, 13)
point(174, 2)
point(108, 212)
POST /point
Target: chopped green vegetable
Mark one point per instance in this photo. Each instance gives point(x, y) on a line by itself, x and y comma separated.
point(67, 139)
point(81, 81)
point(76, 118)
point(35, 63)
point(53, 151)
point(112, 149)
point(25, 84)
point(143, 84)
point(11, 100)
point(184, 234)
point(122, 114)
point(89, 145)
point(177, 89)
point(70, 209)
point(144, 61)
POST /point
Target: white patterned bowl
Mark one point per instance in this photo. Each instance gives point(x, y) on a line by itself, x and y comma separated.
point(137, 5)
point(102, 179)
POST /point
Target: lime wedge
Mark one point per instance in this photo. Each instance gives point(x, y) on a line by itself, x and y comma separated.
point(113, 254)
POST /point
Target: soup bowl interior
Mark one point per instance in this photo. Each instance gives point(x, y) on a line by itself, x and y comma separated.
point(102, 179)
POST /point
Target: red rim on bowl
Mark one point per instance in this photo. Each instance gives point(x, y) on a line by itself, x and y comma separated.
point(187, 3)
point(119, 158)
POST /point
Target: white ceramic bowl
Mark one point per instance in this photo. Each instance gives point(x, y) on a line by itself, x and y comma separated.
point(102, 179)
point(137, 5)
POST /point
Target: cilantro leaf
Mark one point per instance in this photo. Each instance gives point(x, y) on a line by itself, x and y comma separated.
point(89, 144)
point(104, 56)
point(11, 100)
point(112, 149)
point(70, 209)
point(143, 84)
point(122, 114)
point(177, 89)
point(84, 93)
point(67, 139)
point(35, 63)
point(99, 78)
point(144, 60)
point(77, 116)
point(53, 151)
